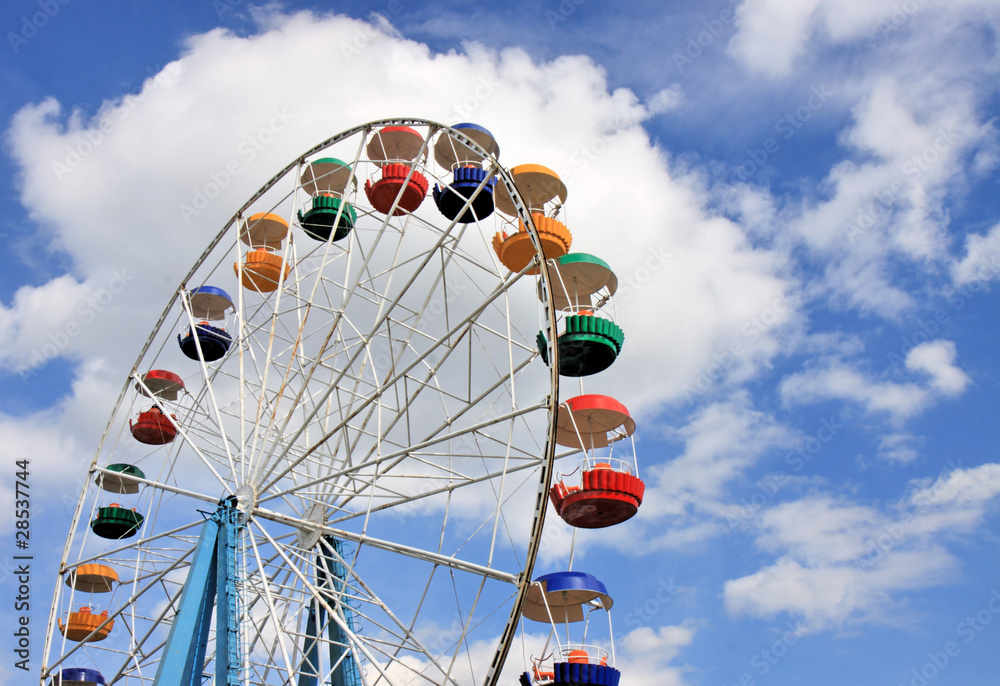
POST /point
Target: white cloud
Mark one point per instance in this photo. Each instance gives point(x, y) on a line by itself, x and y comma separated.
point(32, 329)
point(60, 318)
point(721, 441)
point(838, 562)
point(787, 586)
point(245, 101)
point(886, 203)
point(937, 358)
point(836, 380)
point(919, 133)
point(980, 262)
point(897, 447)
point(649, 652)
point(687, 498)
point(665, 100)
point(818, 529)
point(960, 488)
point(773, 35)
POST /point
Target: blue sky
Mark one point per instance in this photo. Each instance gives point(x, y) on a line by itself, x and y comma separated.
point(799, 198)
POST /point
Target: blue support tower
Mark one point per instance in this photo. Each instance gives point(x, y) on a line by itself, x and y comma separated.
point(213, 576)
point(331, 579)
point(227, 624)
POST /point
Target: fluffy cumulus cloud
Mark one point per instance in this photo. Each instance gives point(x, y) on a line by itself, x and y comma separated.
point(145, 182)
point(772, 33)
point(773, 36)
point(886, 200)
point(920, 133)
point(837, 380)
point(937, 359)
point(838, 561)
point(651, 651)
point(60, 318)
point(721, 441)
point(981, 262)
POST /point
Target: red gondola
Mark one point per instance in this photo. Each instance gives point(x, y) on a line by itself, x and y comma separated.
point(609, 491)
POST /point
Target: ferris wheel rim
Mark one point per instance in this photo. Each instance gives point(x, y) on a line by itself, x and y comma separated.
point(545, 465)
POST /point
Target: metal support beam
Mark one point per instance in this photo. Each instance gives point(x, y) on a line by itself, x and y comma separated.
point(335, 577)
point(331, 580)
point(227, 616)
point(309, 671)
point(211, 582)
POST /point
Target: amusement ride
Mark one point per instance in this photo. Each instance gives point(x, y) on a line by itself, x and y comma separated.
point(332, 459)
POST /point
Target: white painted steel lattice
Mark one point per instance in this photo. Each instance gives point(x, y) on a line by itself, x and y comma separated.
point(381, 408)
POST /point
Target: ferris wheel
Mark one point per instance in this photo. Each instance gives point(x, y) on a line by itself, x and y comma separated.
point(331, 461)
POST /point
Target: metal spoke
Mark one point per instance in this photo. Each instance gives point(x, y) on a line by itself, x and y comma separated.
point(380, 416)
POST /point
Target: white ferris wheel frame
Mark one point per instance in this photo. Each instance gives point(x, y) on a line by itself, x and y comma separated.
point(521, 581)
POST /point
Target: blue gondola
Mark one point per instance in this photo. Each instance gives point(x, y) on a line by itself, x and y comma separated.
point(208, 304)
point(469, 197)
point(569, 598)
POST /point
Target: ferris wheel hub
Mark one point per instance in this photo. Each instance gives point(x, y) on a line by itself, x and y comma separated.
point(308, 536)
point(246, 498)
